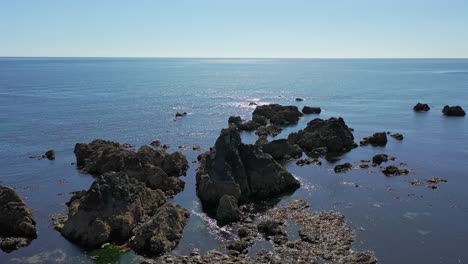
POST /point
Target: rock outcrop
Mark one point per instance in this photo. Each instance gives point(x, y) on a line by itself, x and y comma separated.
point(162, 232)
point(242, 171)
point(281, 149)
point(377, 139)
point(153, 166)
point(311, 110)
point(419, 107)
point(330, 136)
point(343, 167)
point(109, 210)
point(453, 111)
point(394, 171)
point(17, 225)
point(379, 158)
point(278, 114)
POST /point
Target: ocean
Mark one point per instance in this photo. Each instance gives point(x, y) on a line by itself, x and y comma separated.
point(54, 103)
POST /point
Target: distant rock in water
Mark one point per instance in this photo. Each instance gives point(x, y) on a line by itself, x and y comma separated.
point(330, 136)
point(299, 99)
point(17, 225)
point(153, 166)
point(419, 107)
point(242, 171)
point(377, 139)
point(278, 114)
point(180, 114)
point(394, 171)
point(50, 154)
point(397, 136)
point(379, 158)
point(311, 110)
point(453, 111)
point(343, 167)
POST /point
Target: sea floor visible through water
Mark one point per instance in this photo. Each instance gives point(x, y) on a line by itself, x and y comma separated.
point(53, 103)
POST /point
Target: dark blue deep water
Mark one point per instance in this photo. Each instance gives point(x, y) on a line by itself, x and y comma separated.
point(55, 103)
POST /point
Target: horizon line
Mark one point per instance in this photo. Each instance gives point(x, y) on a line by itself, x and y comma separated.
point(194, 57)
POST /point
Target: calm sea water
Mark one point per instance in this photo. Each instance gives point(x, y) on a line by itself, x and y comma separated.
point(55, 103)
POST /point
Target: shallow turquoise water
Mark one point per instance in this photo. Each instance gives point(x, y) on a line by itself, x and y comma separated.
point(55, 103)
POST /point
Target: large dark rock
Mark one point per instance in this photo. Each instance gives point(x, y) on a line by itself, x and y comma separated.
point(236, 120)
point(109, 210)
point(17, 225)
point(332, 134)
point(227, 211)
point(453, 111)
point(162, 232)
point(311, 110)
point(394, 171)
point(281, 149)
point(153, 166)
point(278, 114)
point(419, 107)
point(242, 171)
point(377, 139)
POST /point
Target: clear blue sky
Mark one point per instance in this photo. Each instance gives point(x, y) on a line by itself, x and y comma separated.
point(235, 28)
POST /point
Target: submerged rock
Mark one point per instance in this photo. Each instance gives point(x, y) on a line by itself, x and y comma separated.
point(153, 166)
point(419, 107)
point(377, 139)
point(311, 110)
point(180, 114)
point(50, 154)
point(242, 171)
point(379, 158)
point(110, 210)
point(162, 232)
point(17, 225)
point(299, 99)
point(281, 149)
point(278, 114)
point(453, 111)
point(330, 136)
point(394, 171)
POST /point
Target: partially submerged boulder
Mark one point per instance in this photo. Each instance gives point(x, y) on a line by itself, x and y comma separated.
point(397, 136)
point(50, 154)
point(377, 139)
point(311, 110)
point(332, 136)
point(419, 107)
point(281, 149)
point(453, 111)
point(394, 171)
point(343, 167)
point(162, 232)
point(379, 158)
point(110, 210)
point(153, 166)
point(242, 171)
point(17, 225)
point(278, 114)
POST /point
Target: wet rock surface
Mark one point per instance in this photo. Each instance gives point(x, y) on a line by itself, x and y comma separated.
point(330, 136)
point(278, 114)
point(17, 224)
point(419, 107)
point(311, 110)
point(228, 210)
point(377, 139)
point(240, 170)
point(397, 136)
point(153, 166)
point(324, 236)
point(453, 111)
point(281, 149)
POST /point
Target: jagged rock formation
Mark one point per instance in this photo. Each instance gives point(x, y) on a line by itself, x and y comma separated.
point(17, 225)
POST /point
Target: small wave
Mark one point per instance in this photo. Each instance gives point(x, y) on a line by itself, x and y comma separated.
point(452, 72)
point(223, 234)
